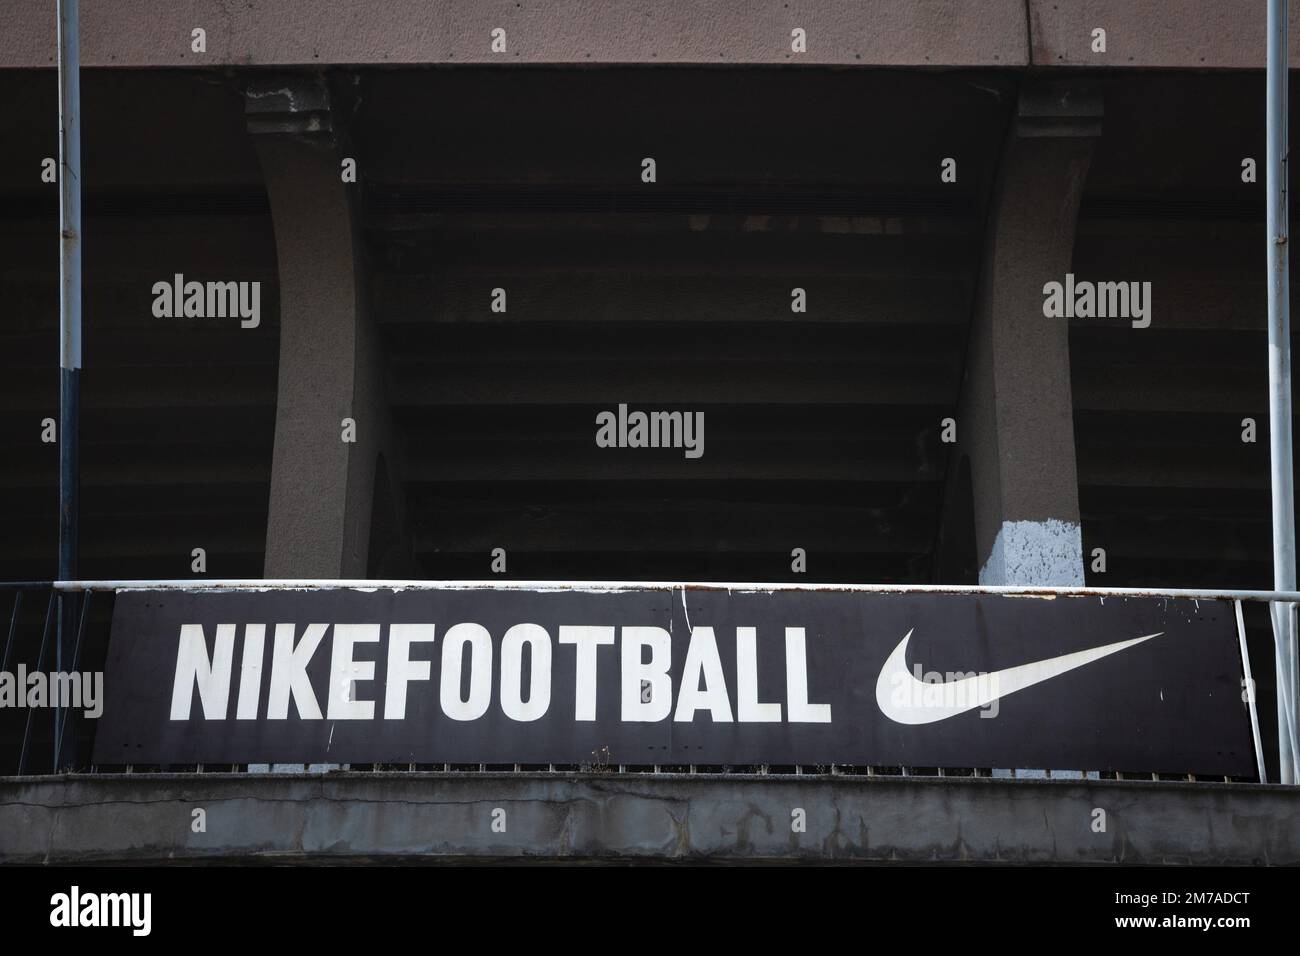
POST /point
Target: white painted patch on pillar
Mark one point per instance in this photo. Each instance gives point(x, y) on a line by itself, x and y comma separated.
point(1034, 553)
point(1031, 553)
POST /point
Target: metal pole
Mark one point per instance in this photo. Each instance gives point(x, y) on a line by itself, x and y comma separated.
point(69, 308)
point(1279, 381)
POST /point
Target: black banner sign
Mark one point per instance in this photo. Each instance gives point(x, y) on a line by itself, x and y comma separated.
point(673, 676)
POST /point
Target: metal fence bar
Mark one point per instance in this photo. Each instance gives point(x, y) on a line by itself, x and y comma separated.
point(1250, 689)
point(13, 628)
point(76, 662)
point(81, 630)
point(62, 612)
point(40, 663)
point(255, 584)
point(1284, 622)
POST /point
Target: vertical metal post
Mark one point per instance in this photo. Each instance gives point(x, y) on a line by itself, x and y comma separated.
point(69, 283)
point(69, 35)
point(1279, 381)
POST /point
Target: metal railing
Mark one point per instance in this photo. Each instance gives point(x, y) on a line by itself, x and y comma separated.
point(61, 611)
point(63, 615)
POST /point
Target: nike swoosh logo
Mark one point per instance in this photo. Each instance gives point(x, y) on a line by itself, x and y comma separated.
point(905, 700)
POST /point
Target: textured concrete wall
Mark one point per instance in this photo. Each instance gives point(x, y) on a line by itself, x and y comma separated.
point(629, 817)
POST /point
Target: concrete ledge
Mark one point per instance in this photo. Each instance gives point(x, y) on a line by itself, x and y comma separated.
point(606, 817)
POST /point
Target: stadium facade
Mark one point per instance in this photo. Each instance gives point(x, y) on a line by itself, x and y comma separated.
point(959, 293)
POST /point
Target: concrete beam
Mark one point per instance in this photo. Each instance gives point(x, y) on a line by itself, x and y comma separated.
point(302, 32)
point(1189, 34)
point(628, 817)
point(323, 489)
point(1156, 34)
point(1016, 418)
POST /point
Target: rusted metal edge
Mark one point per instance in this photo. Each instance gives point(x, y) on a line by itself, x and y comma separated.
point(254, 584)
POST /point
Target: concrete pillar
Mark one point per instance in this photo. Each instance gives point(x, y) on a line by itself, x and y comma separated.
point(331, 360)
point(1015, 421)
